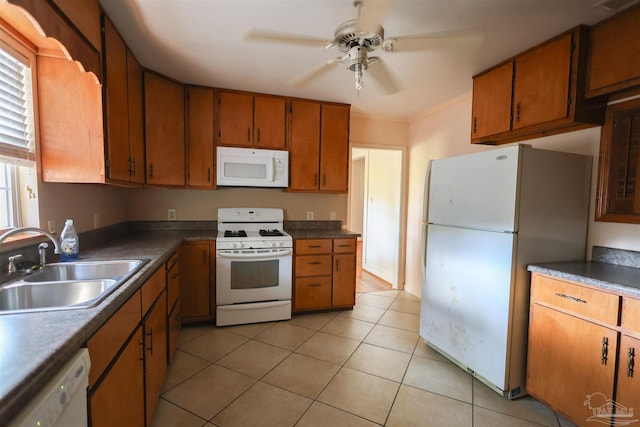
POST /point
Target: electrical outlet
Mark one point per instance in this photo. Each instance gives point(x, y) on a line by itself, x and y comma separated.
point(96, 220)
point(171, 214)
point(332, 215)
point(51, 225)
point(309, 215)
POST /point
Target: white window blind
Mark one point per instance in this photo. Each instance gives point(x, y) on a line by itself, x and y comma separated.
point(16, 109)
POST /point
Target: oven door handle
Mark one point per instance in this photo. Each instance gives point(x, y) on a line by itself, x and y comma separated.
point(254, 255)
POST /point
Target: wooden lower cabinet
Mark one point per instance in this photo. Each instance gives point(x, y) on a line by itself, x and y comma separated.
point(197, 281)
point(155, 358)
point(118, 400)
point(565, 363)
point(582, 347)
point(324, 274)
point(173, 306)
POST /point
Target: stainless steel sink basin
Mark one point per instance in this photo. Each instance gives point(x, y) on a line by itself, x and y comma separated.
point(68, 285)
point(85, 270)
point(54, 295)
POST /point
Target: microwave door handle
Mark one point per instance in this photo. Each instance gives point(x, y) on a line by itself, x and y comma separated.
point(273, 169)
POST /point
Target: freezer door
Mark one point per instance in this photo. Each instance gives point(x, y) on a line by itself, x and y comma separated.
point(476, 190)
point(465, 308)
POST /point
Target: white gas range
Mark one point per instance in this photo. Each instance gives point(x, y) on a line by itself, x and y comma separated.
point(253, 266)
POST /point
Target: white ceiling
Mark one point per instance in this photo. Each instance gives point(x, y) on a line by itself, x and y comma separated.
point(202, 42)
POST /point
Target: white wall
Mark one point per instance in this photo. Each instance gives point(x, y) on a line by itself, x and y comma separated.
point(445, 131)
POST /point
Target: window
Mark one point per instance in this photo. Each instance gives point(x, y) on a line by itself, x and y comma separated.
point(17, 132)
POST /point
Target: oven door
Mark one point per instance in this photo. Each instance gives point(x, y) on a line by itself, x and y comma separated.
point(253, 275)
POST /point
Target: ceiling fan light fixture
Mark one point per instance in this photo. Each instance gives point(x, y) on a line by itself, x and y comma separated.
point(358, 63)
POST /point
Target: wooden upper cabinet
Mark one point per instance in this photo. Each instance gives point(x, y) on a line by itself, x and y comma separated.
point(248, 120)
point(614, 54)
point(334, 148)
point(269, 122)
point(236, 119)
point(164, 131)
point(200, 153)
point(546, 92)
point(136, 119)
point(304, 145)
point(492, 102)
point(85, 15)
point(540, 89)
point(116, 103)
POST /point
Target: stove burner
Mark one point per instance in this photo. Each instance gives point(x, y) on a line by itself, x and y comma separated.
point(269, 233)
point(234, 233)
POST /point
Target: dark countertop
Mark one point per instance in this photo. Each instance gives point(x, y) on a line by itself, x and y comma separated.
point(620, 279)
point(34, 346)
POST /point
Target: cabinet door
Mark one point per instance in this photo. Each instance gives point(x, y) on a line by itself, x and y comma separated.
point(236, 119)
point(312, 293)
point(119, 399)
point(304, 146)
point(334, 148)
point(491, 103)
point(628, 389)
point(565, 362)
point(136, 119)
point(195, 290)
point(155, 359)
point(268, 122)
point(344, 280)
point(116, 103)
point(164, 130)
point(200, 137)
point(85, 15)
point(541, 84)
point(614, 57)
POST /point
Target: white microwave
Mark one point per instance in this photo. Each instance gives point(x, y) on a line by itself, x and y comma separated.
point(249, 167)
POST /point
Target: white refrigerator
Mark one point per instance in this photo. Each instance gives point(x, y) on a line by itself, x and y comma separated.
point(489, 215)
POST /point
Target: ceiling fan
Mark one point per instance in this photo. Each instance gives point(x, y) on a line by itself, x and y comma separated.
point(356, 38)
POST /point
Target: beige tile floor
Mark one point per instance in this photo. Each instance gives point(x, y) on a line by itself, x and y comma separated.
point(362, 367)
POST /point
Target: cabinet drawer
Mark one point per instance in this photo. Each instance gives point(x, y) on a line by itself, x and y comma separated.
point(313, 246)
point(344, 245)
point(579, 299)
point(313, 265)
point(312, 292)
point(107, 341)
point(151, 289)
point(631, 314)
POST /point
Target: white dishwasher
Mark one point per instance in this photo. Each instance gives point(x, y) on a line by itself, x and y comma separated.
point(63, 401)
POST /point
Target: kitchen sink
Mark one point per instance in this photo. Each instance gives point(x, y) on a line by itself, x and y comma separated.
point(85, 270)
point(68, 285)
point(25, 296)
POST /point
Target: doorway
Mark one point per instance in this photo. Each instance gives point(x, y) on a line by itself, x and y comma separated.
point(375, 209)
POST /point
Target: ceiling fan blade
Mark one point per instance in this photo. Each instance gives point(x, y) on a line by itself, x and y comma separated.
point(381, 75)
point(370, 14)
point(294, 39)
point(443, 39)
point(322, 69)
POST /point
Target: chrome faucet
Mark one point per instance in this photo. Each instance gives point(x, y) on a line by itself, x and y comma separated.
point(41, 247)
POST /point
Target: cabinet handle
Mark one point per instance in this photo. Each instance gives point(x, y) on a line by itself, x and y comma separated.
point(344, 246)
point(518, 112)
point(314, 285)
point(248, 134)
point(631, 354)
point(605, 350)
point(150, 335)
point(314, 262)
point(151, 170)
point(133, 162)
point(129, 171)
point(174, 276)
point(315, 246)
point(475, 125)
point(208, 174)
point(569, 297)
point(258, 134)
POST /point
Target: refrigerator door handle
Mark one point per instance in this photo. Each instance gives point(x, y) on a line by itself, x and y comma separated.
point(423, 251)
